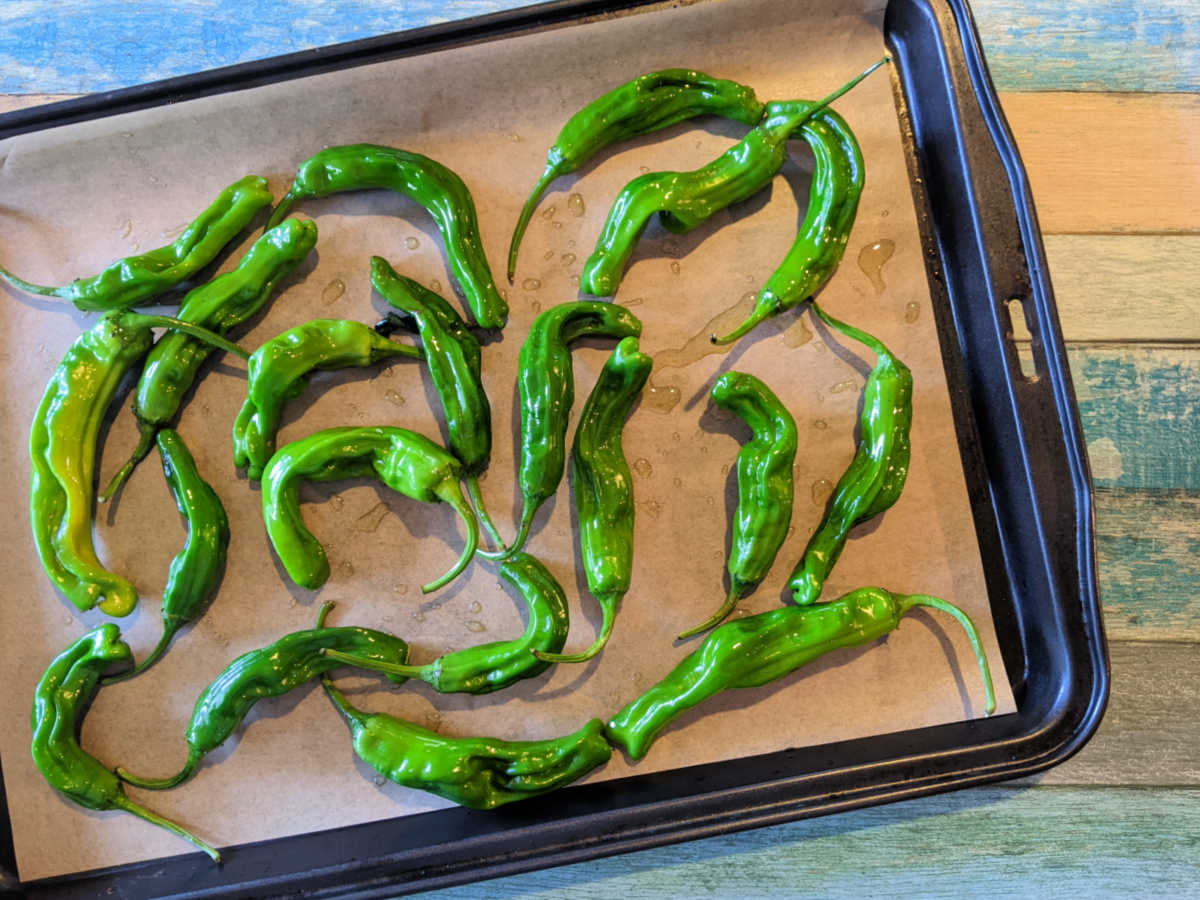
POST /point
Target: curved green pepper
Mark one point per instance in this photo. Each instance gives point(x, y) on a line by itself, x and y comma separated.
point(646, 104)
point(765, 485)
point(280, 369)
point(490, 667)
point(59, 701)
point(758, 649)
point(137, 280)
point(361, 166)
point(403, 460)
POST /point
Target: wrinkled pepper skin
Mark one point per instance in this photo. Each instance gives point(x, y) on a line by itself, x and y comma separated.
point(280, 369)
point(60, 700)
point(225, 302)
point(478, 772)
point(837, 185)
point(644, 105)
point(292, 661)
point(759, 649)
point(137, 280)
point(403, 460)
point(429, 183)
point(603, 487)
point(766, 486)
point(546, 385)
point(62, 449)
point(496, 665)
point(876, 475)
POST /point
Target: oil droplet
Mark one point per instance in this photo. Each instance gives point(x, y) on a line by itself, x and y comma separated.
point(653, 508)
point(661, 398)
point(677, 481)
point(346, 567)
point(791, 530)
point(643, 468)
point(725, 469)
point(571, 243)
point(394, 396)
point(205, 408)
point(337, 501)
point(475, 625)
point(717, 554)
point(575, 205)
point(703, 449)
point(841, 387)
point(549, 255)
point(514, 137)
point(400, 589)
point(820, 424)
point(795, 333)
point(418, 616)
point(912, 312)
point(886, 213)
point(411, 243)
point(636, 301)
point(504, 294)
point(556, 224)
point(675, 436)
point(475, 607)
point(435, 285)
point(821, 490)
point(674, 267)
point(535, 306)
point(137, 246)
point(643, 169)
point(369, 521)
point(568, 258)
point(549, 211)
point(871, 259)
point(531, 284)
point(176, 231)
point(699, 345)
point(709, 501)
point(574, 280)
point(332, 291)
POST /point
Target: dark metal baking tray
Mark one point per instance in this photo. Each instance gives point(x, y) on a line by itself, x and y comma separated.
point(1027, 474)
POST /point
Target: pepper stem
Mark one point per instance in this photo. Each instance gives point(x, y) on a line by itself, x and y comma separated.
point(735, 594)
point(123, 802)
point(851, 332)
point(908, 601)
point(452, 494)
point(477, 499)
point(154, 656)
point(355, 718)
point(27, 287)
point(281, 211)
point(188, 328)
point(161, 784)
point(375, 665)
point(845, 88)
point(518, 542)
point(758, 316)
point(145, 444)
point(526, 214)
point(606, 628)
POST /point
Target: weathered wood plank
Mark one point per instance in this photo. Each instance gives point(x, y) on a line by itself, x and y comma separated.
point(1148, 550)
point(1126, 287)
point(1103, 45)
point(993, 842)
point(1101, 163)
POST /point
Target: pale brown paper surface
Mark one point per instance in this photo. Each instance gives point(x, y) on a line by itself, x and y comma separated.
point(77, 198)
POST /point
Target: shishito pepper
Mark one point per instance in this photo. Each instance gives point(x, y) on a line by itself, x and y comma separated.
point(59, 702)
point(758, 649)
point(137, 280)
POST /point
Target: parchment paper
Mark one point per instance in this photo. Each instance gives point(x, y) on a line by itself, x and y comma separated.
point(75, 199)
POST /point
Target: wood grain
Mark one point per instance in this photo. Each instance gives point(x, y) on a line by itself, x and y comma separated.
point(1104, 163)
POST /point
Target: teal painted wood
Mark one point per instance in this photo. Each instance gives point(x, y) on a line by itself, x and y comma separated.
point(76, 46)
point(994, 842)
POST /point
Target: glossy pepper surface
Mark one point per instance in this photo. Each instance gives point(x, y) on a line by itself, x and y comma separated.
point(603, 488)
point(646, 104)
point(876, 475)
point(361, 166)
point(137, 280)
point(280, 369)
point(403, 460)
point(293, 660)
point(758, 649)
point(62, 449)
point(479, 772)
point(59, 703)
point(490, 667)
point(546, 387)
point(765, 485)
point(227, 301)
point(195, 573)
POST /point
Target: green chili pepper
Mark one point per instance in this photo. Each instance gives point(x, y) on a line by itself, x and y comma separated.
point(759, 649)
point(62, 447)
point(280, 369)
point(765, 485)
point(429, 183)
point(837, 185)
point(604, 488)
point(546, 383)
point(403, 460)
point(59, 702)
point(684, 200)
point(195, 573)
point(272, 671)
point(226, 301)
point(490, 667)
point(646, 104)
point(453, 358)
point(137, 280)
point(876, 475)
point(479, 772)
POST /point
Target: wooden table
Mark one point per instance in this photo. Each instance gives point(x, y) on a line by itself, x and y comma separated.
point(1104, 99)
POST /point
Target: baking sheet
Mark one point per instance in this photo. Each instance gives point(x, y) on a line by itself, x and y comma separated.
point(74, 199)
